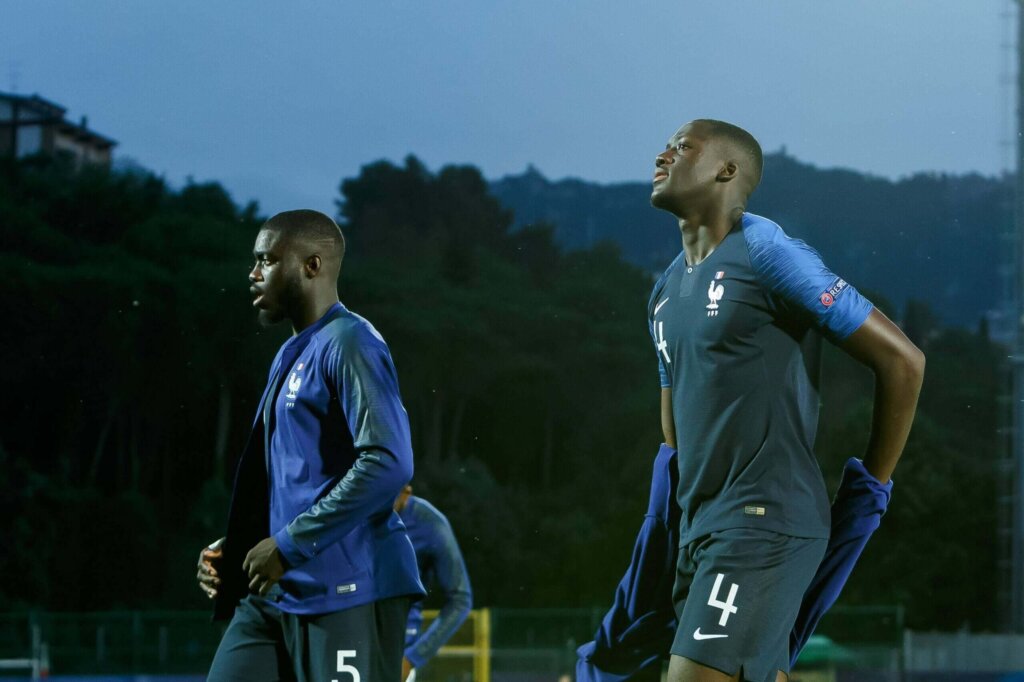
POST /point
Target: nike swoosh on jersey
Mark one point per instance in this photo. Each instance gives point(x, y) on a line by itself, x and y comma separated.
point(658, 307)
point(699, 636)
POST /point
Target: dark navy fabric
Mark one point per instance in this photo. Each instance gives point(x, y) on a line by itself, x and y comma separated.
point(264, 644)
point(330, 451)
point(442, 569)
point(638, 629)
point(856, 513)
point(738, 341)
point(737, 596)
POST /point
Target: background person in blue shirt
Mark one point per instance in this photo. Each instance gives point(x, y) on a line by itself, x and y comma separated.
point(736, 322)
point(441, 566)
point(316, 570)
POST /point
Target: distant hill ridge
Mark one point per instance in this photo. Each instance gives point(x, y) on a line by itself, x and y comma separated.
point(929, 237)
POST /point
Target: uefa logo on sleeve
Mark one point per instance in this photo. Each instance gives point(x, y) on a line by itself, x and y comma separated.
point(827, 299)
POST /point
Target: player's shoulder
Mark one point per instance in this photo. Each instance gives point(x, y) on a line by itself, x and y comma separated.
point(773, 253)
point(761, 232)
point(424, 511)
point(348, 331)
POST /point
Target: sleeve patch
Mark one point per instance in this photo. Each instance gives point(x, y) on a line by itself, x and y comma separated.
point(829, 296)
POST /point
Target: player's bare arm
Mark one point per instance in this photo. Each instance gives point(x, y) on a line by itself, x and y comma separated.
point(668, 427)
point(898, 366)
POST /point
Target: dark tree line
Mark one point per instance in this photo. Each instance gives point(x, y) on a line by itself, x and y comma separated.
point(133, 364)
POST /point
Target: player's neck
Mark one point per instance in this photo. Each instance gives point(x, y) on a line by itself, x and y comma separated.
point(701, 235)
point(313, 309)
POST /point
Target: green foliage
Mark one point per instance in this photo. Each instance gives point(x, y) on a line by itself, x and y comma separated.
point(133, 365)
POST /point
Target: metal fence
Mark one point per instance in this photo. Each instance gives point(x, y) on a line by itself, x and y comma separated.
point(523, 645)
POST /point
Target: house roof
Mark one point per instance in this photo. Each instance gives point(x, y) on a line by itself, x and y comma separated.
point(45, 111)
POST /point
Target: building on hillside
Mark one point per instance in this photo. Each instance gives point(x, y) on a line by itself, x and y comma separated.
point(30, 125)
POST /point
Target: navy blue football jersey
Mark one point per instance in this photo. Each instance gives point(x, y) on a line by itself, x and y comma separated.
point(738, 342)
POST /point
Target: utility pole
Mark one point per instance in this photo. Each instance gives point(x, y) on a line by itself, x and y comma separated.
point(1015, 616)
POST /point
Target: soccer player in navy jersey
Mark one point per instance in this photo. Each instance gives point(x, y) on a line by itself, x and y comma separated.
point(442, 569)
point(316, 571)
point(736, 322)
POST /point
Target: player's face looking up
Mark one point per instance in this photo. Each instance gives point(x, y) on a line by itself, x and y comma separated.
point(685, 173)
point(708, 167)
point(275, 279)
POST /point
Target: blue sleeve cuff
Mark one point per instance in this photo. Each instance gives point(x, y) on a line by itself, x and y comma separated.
point(856, 477)
point(288, 549)
point(415, 659)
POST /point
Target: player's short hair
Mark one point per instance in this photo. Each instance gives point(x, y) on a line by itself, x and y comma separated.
point(746, 143)
point(312, 227)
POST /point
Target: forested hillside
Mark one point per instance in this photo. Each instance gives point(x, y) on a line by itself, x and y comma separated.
point(928, 237)
point(133, 364)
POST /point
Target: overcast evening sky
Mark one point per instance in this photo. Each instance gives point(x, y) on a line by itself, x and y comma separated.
point(279, 101)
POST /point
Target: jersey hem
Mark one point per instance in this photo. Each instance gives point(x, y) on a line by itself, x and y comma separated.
point(702, 531)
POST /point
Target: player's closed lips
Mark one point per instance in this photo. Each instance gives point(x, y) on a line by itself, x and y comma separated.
point(660, 175)
point(257, 296)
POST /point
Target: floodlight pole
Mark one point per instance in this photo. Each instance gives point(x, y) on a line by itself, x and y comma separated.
point(1015, 622)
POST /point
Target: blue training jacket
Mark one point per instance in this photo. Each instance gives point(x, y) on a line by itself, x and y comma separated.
point(329, 451)
point(637, 631)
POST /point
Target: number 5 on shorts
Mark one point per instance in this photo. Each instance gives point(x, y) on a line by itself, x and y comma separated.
point(726, 606)
point(344, 667)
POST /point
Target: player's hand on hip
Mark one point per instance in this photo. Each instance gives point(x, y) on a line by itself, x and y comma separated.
point(207, 575)
point(263, 566)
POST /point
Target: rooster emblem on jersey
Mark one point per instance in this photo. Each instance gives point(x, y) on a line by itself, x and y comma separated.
point(715, 293)
point(294, 382)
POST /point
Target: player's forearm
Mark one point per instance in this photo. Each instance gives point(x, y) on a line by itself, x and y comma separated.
point(369, 487)
point(668, 427)
point(447, 623)
point(897, 386)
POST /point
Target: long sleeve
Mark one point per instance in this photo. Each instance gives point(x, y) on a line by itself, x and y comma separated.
point(452, 579)
point(856, 514)
point(364, 378)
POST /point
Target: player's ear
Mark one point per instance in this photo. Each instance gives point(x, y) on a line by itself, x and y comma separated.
point(314, 264)
point(728, 172)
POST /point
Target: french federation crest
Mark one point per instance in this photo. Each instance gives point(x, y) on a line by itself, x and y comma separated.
point(294, 382)
point(715, 293)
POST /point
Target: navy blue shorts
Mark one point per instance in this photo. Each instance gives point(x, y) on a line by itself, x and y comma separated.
point(264, 644)
point(737, 594)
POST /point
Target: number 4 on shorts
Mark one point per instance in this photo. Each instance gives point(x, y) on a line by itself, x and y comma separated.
point(344, 667)
point(726, 606)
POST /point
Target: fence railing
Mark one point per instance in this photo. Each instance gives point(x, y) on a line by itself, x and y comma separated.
point(500, 644)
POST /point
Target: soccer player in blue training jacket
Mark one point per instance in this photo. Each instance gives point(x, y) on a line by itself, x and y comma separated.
point(441, 566)
point(736, 322)
point(316, 571)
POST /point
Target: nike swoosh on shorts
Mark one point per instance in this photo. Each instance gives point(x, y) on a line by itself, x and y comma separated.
point(699, 636)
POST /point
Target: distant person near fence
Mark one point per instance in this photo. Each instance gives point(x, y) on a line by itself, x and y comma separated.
point(442, 568)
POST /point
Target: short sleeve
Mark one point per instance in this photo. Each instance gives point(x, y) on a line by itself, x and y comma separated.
point(797, 281)
point(663, 375)
point(656, 329)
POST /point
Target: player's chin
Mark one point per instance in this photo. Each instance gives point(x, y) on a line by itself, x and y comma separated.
point(268, 317)
point(661, 199)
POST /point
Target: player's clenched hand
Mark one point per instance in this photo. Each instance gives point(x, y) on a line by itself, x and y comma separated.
point(406, 669)
point(263, 565)
point(209, 581)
